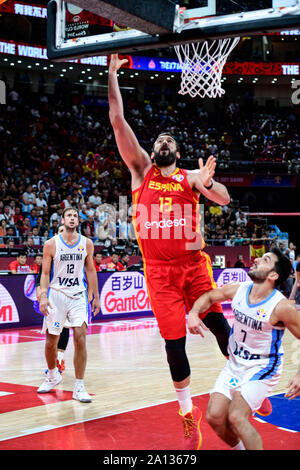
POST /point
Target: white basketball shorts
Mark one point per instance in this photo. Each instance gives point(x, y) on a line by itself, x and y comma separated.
point(65, 312)
point(241, 379)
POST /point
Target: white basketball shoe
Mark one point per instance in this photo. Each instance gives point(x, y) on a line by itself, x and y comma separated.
point(81, 394)
point(50, 382)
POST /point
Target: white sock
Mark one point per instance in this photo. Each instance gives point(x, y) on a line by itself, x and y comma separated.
point(52, 372)
point(60, 355)
point(239, 446)
point(79, 382)
point(184, 398)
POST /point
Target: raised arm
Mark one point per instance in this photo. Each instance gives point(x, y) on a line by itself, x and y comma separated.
point(135, 157)
point(202, 178)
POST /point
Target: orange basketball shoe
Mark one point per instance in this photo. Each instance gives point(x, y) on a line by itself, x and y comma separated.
point(191, 425)
point(60, 365)
point(265, 409)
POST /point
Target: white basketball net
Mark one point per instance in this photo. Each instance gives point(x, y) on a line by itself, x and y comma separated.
point(202, 66)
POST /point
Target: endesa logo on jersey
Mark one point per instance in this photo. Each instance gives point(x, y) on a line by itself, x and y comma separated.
point(8, 309)
point(165, 223)
point(124, 292)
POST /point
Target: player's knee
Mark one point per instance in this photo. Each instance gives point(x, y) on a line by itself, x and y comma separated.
point(79, 337)
point(51, 341)
point(215, 416)
point(235, 418)
point(177, 359)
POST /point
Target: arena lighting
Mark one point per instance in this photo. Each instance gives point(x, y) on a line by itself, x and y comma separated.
point(157, 65)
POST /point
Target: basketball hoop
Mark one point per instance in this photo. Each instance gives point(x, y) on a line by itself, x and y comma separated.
point(202, 66)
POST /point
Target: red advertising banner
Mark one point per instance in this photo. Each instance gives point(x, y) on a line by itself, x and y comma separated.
point(261, 68)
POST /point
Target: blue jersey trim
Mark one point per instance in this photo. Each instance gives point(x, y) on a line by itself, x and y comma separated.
point(70, 246)
point(260, 303)
point(274, 358)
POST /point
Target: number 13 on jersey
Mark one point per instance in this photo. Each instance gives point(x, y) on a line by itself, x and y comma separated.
point(165, 204)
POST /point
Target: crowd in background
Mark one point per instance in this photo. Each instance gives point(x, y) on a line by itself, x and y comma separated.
point(59, 150)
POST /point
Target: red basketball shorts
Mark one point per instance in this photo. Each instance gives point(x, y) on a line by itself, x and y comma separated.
point(174, 286)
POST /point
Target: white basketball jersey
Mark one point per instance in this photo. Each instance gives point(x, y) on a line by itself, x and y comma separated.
point(68, 274)
point(253, 340)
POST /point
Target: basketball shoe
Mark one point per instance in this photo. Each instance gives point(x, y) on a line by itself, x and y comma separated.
point(50, 382)
point(60, 365)
point(265, 409)
point(81, 394)
point(191, 426)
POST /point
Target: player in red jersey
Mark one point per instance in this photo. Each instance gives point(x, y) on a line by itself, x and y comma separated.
point(166, 217)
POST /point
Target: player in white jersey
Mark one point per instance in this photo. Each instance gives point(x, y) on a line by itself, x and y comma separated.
point(261, 313)
point(67, 270)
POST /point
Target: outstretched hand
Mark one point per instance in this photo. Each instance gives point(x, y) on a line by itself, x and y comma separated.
point(195, 324)
point(207, 171)
point(293, 387)
point(116, 63)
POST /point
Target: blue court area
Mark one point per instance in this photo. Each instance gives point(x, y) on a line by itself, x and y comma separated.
point(285, 414)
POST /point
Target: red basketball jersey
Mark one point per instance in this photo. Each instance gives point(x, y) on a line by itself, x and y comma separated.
point(166, 216)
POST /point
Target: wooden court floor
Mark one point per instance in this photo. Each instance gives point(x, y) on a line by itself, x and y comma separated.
point(126, 371)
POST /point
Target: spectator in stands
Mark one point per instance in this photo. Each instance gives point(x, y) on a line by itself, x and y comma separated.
point(215, 209)
point(28, 201)
point(3, 224)
point(230, 241)
point(240, 263)
point(11, 233)
point(124, 261)
point(95, 198)
point(53, 202)
point(29, 247)
point(87, 228)
point(20, 265)
point(67, 201)
point(7, 215)
point(98, 262)
point(10, 247)
point(114, 263)
point(35, 267)
point(41, 202)
point(57, 215)
point(241, 219)
point(33, 218)
point(35, 236)
point(18, 215)
point(53, 229)
point(292, 253)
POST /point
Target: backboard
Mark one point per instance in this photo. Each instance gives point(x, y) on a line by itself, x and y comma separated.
point(97, 27)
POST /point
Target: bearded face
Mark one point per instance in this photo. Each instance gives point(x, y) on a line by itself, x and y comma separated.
point(262, 267)
point(259, 275)
point(165, 151)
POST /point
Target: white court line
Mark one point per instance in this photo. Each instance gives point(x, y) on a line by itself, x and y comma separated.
point(284, 429)
point(51, 427)
point(29, 431)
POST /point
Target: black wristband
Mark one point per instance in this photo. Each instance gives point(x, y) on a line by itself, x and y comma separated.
point(210, 186)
